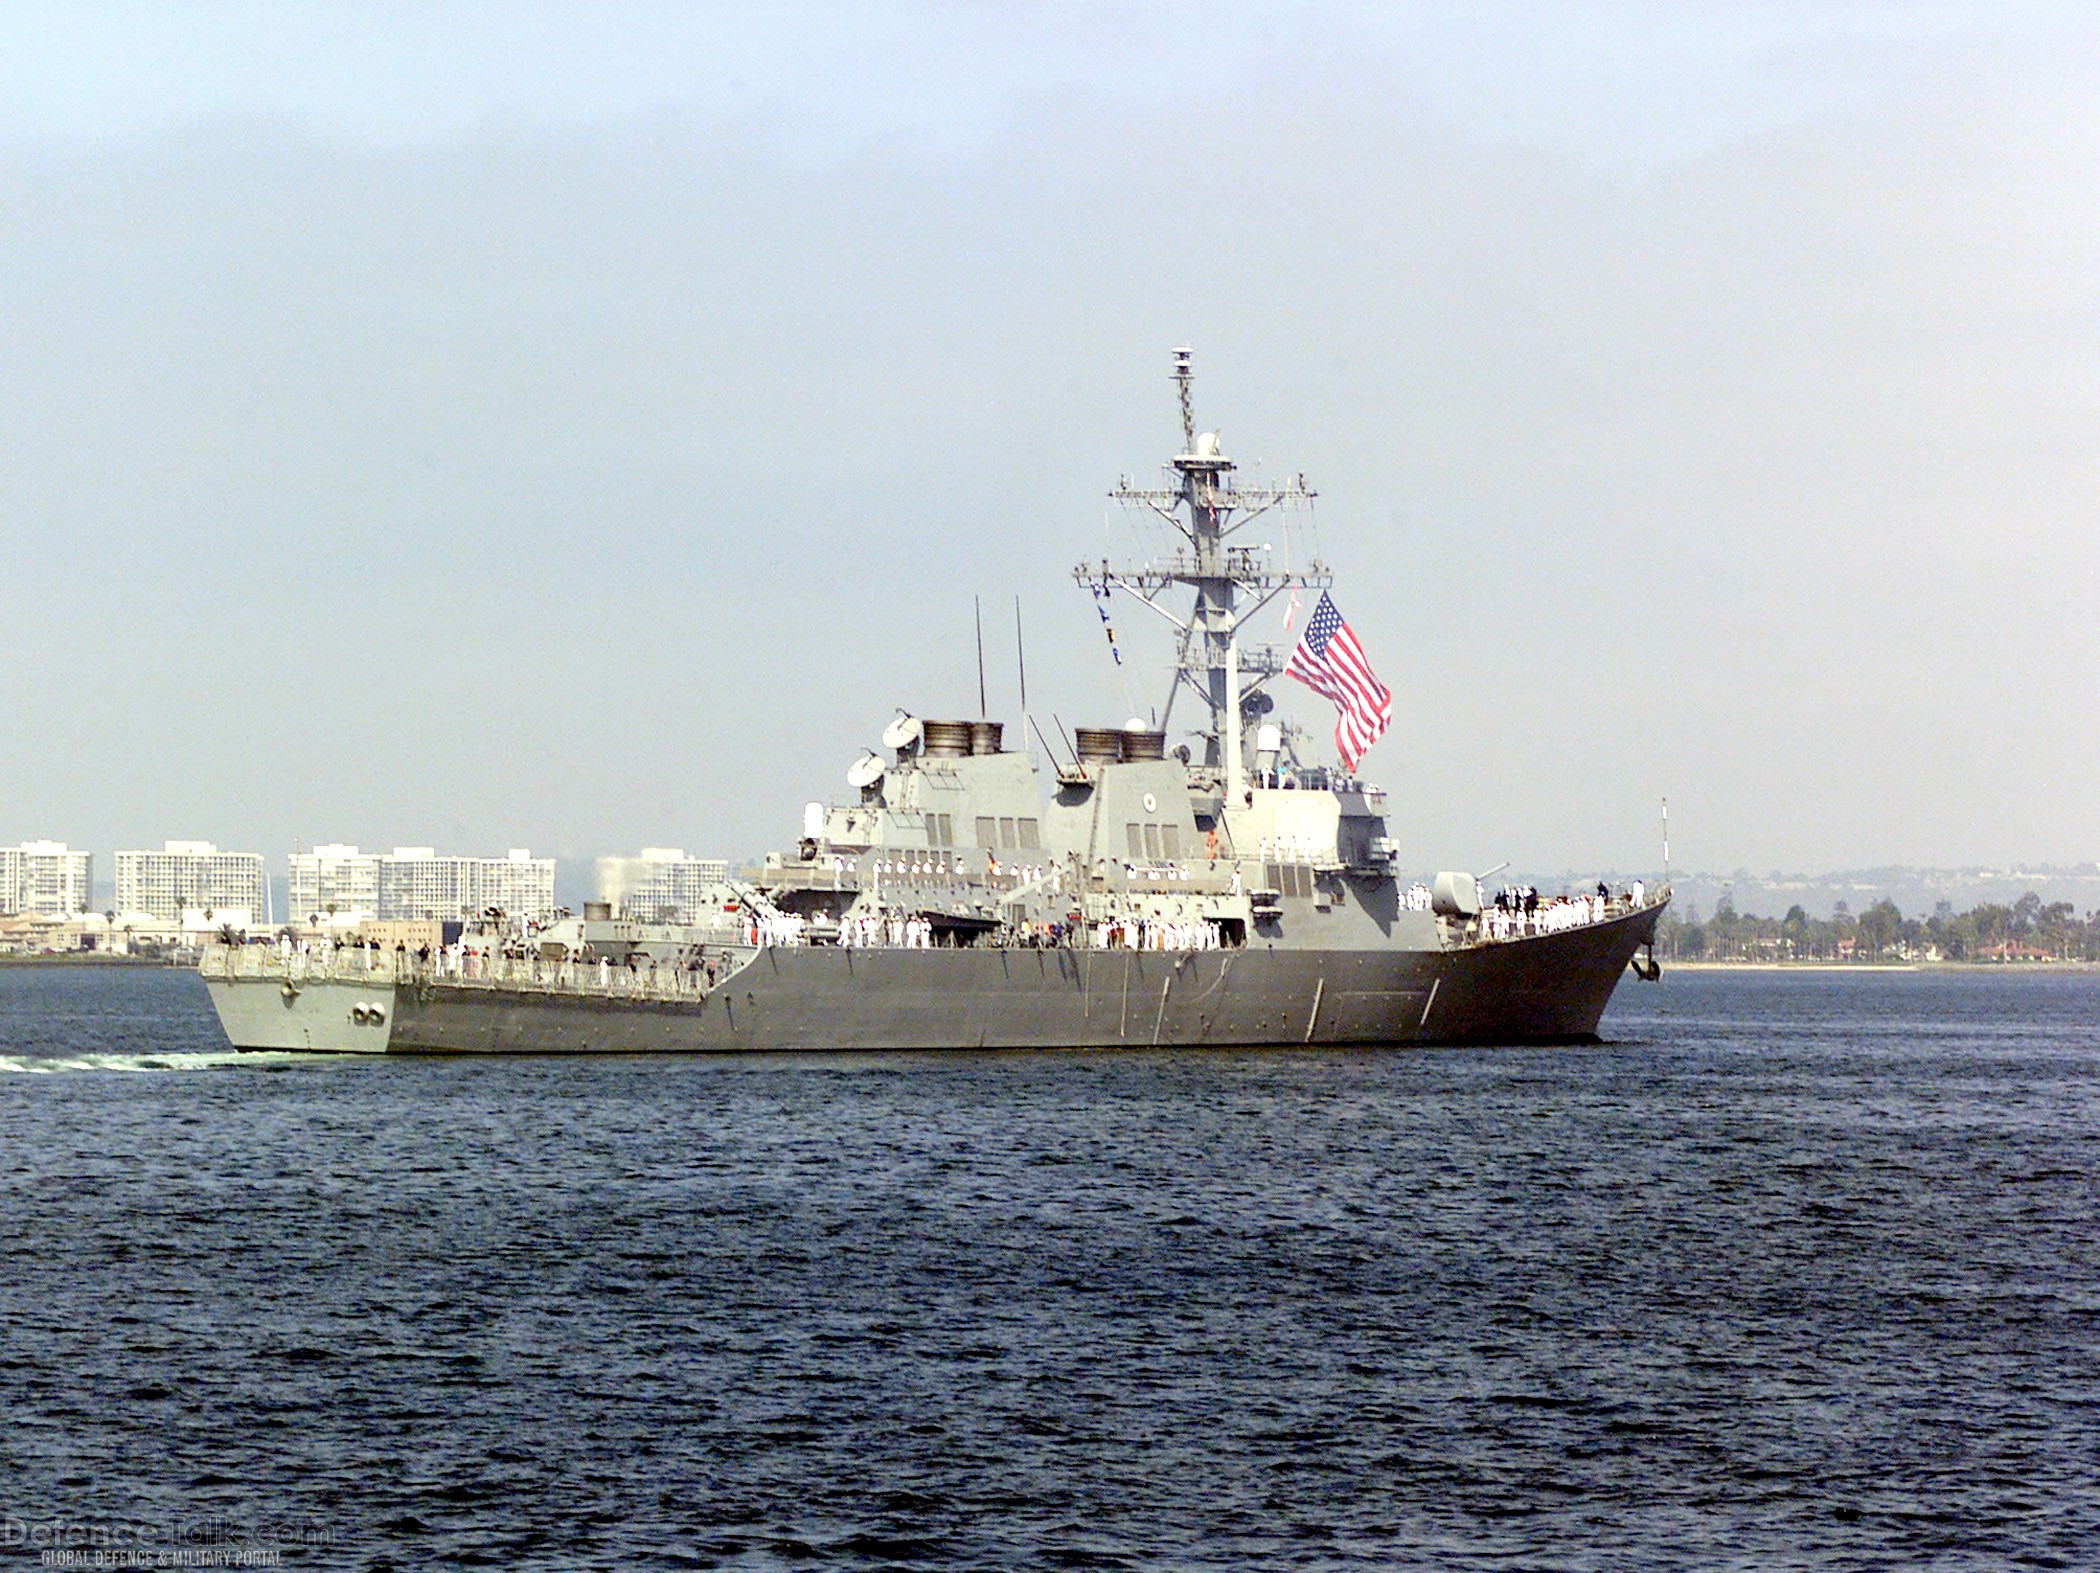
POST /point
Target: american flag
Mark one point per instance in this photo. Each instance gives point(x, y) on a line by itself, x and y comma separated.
point(1331, 663)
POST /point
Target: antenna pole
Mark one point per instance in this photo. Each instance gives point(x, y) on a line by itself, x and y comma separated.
point(1067, 736)
point(1666, 843)
point(1047, 748)
point(983, 710)
point(1188, 413)
point(1021, 662)
point(1021, 654)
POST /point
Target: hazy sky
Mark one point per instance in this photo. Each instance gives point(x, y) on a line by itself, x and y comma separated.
point(580, 426)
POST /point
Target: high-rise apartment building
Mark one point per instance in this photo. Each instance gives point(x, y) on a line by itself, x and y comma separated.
point(415, 883)
point(517, 883)
point(663, 885)
point(333, 883)
point(190, 875)
point(46, 878)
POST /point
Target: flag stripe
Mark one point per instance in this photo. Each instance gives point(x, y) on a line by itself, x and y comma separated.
point(1331, 662)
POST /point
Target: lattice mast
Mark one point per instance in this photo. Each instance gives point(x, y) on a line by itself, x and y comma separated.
point(1206, 507)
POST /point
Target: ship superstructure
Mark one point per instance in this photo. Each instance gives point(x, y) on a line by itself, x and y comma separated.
point(1221, 891)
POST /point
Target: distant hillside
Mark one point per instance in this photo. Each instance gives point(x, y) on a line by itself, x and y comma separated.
point(1917, 892)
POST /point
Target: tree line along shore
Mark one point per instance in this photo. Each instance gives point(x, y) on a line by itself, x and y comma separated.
point(2026, 931)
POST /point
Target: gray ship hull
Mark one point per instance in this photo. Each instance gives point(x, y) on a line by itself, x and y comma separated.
point(1550, 988)
point(330, 1016)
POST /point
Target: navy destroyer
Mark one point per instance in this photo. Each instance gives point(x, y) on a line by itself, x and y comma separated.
point(1230, 890)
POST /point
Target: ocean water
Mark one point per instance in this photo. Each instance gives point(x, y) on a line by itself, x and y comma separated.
point(1796, 1270)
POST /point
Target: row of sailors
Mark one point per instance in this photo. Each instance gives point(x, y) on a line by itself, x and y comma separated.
point(1285, 849)
point(939, 867)
point(457, 960)
point(1024, 874)
point(866, 930)
point(897, 931)
point(1158, 934)
point(779, 928)
point(1518, 910)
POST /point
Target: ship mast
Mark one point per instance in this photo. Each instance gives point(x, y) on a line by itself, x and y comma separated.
point(1207, 509)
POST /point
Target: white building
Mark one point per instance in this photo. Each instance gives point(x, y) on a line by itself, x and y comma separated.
point(191, 876)
point(662, 885)
point(46, 878)
point(334, 883)
point(414, 883)
point(517, 882)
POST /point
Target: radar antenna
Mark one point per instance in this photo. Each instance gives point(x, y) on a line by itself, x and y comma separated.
point(1206, 508)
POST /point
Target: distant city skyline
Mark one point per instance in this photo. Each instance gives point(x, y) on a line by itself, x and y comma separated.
point(581, 427)
point(666, 880)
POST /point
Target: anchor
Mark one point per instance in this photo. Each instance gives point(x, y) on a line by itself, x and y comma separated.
point(1645, 966)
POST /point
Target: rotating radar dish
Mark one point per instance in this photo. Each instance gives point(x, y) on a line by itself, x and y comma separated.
point(865, 771)
point(903, 733)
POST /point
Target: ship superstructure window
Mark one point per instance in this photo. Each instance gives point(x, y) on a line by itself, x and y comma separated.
point(1154, 841)
point(1031, 835)
point(1289, 879)
point(987, 831)
point(1006, 832)
point(940, 830)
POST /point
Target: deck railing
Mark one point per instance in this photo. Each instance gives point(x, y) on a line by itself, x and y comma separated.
point(380, 968)
point(385, 969)
point(1562, 913)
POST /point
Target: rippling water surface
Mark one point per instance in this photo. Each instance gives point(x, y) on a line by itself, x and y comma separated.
point(1796, 1270)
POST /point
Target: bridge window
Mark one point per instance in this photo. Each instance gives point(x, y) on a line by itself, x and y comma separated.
point(1031, 836)
point(987, 831)
point(1006, 833)
point(1170, 840)
point(1137, 840)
